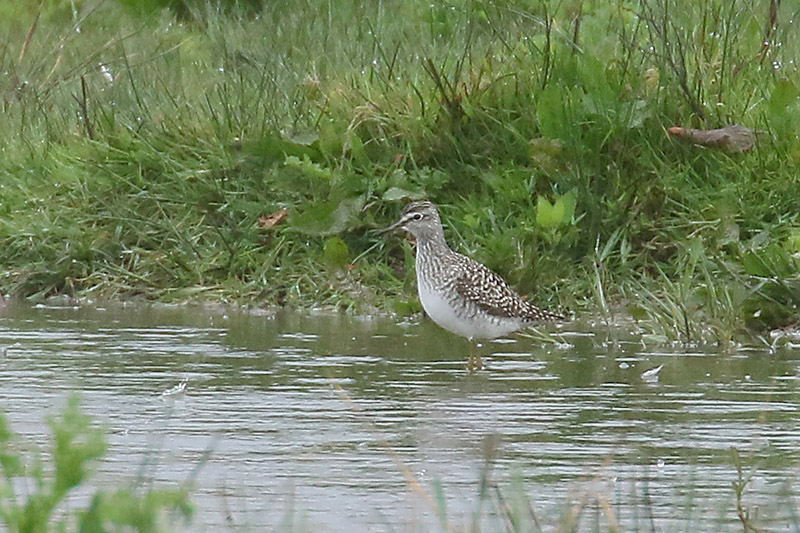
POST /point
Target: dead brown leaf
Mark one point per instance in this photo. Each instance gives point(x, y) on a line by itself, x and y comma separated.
point(266, 222)
point(733, 138)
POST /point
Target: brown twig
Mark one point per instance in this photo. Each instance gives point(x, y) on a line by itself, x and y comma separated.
point(450, 99)
point(83, 104)
point(29, 38)
point(769, 28)
point(577, 30)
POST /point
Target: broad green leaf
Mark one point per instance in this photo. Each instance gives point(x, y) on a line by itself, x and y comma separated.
point(330, 139)
point(551, 112)
point(330, 217)
point(472, 221)
point(306, 138)
point(759, 240)
point(568, 202)
point(357, 148)
point(548, 215)
point(783, 95)
point(771, 261)
point(394, 194)
point(595, 78)
point(753, 265)
point(336, 253)
point(557, 214)
point(793, 242)
point(308, 167)
point(273, 149)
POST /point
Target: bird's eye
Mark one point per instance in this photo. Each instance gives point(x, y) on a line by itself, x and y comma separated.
point(417, 216)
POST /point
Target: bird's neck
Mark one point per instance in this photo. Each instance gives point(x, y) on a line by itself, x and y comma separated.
point(432, 244)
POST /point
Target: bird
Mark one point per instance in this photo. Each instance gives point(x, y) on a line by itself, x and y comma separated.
point(458, 293)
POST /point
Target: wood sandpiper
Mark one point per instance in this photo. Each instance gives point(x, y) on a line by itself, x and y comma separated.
point(458, 293)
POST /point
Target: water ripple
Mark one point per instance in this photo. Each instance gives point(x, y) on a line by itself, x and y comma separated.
point(332, 415)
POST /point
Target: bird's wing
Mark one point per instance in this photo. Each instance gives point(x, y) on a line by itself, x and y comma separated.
point(487, 290)
point(490, 292)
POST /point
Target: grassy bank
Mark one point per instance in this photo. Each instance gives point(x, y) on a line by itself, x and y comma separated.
point(144, 150)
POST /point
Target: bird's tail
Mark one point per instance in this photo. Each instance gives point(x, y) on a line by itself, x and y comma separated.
point(542, 315)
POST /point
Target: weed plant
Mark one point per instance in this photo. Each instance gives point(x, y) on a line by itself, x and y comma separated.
point(600, 503)
point(76, 445)
point(145, 148)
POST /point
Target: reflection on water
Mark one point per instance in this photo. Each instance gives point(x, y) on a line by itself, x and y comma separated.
point(320, 420)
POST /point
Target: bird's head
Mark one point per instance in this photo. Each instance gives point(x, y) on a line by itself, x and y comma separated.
point(421, 219)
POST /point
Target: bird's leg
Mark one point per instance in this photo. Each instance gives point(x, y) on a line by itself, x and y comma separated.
point(475, 361)
point(471, 363)
point(478, 360)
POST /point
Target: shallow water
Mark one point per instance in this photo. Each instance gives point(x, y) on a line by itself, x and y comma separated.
point(332, 423)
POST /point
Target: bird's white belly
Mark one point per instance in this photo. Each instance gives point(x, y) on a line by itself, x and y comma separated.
point(472, 327)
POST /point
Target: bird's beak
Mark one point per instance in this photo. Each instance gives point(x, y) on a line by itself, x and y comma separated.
point(390, 228)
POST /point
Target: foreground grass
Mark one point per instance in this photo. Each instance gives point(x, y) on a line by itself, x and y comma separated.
point(34, 494)
point(144, 151)
point(39, 495)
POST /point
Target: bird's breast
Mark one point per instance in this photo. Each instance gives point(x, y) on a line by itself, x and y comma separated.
point(463, 318)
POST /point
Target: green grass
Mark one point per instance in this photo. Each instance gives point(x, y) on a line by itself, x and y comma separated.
point(141, 145)
point(34, 494)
